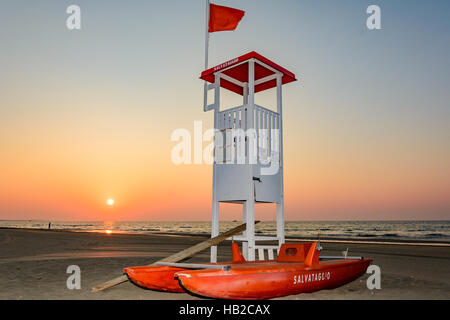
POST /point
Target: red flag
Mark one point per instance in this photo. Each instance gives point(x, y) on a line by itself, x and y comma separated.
point(223, 18)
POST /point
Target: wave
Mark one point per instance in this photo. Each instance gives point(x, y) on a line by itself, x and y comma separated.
point(435, 235)
point(367, 235)
point(147, 229)
point(391, 235)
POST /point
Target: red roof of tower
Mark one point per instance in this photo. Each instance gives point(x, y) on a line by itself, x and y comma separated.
point(238, 69)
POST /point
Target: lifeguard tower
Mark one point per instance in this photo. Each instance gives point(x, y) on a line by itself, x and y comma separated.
point(248, 146)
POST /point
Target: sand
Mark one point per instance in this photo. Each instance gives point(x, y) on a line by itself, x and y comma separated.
point(33, 265)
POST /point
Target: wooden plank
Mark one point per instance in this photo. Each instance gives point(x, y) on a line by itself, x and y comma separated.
point(186, 253)
point(193, 265)
point(205, 244)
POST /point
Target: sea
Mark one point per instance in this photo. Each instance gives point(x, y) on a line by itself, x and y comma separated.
point(429, 231)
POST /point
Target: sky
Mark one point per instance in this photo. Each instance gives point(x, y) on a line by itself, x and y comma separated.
point(87, 115)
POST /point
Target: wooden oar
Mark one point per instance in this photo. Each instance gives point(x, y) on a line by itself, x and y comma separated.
point(186, 253)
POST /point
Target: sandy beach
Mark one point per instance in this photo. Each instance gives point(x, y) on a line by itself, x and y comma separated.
point(33, 265)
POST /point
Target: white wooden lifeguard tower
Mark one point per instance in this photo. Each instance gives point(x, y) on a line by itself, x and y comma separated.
point(248, 153)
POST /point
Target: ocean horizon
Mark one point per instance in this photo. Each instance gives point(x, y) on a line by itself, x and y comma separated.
point(427, 230)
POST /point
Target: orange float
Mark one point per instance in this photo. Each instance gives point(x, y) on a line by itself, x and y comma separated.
point(162, 278)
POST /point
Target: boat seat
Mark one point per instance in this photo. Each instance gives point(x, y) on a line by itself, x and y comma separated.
point(295, 252)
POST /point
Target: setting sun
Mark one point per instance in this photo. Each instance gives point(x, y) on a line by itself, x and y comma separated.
point(110, 202)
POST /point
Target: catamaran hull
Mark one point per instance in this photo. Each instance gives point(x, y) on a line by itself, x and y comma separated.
point(159, 278)
point(244, 284)
point(162, 278)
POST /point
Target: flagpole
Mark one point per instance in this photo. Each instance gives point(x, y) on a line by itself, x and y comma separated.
point(205, 89)
point(207, 35)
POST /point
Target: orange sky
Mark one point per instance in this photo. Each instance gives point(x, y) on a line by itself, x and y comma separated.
point(88, 115)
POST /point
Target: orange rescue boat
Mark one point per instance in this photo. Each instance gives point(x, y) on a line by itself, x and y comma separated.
point(298, 269)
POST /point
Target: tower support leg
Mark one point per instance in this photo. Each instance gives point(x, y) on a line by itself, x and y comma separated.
point(280, 222)
point(214, 228)
point(244, 243)
point(250, 232)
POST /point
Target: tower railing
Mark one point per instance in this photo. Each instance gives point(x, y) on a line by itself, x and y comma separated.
point(232, 125)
